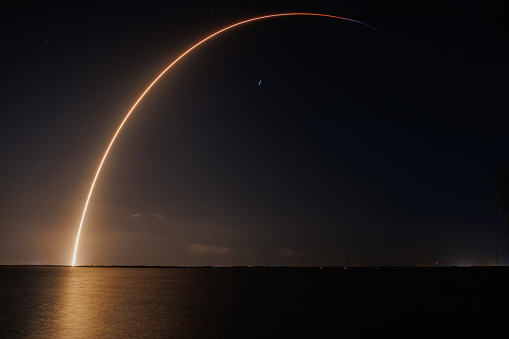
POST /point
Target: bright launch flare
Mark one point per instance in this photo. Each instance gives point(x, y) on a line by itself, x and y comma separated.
point(159, 76)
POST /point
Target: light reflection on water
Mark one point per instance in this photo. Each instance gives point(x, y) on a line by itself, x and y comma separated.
point(107, 303)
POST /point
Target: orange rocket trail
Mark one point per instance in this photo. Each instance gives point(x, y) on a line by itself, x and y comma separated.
point(159, 76)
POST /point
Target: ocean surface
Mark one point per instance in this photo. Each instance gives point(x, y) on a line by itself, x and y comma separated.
point(115, 302)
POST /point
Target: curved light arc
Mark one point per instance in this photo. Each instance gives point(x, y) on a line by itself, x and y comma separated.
point(158, 77)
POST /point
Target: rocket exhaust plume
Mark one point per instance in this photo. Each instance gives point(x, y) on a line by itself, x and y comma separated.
point(159, 76)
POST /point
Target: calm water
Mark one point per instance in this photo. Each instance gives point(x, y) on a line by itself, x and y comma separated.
point(64, 302)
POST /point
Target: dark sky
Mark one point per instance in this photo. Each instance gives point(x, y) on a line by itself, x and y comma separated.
point(383, 146)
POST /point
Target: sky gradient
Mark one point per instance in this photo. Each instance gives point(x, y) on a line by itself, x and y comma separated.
point(289, 138)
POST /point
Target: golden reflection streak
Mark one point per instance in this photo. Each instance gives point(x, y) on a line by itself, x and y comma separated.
point(159, 76)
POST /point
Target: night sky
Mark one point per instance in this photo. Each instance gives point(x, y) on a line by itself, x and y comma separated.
point(287, 138)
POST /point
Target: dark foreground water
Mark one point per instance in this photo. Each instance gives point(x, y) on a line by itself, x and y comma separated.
point(79, 302)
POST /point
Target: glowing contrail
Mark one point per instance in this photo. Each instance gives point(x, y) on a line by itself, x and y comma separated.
point(159, 76)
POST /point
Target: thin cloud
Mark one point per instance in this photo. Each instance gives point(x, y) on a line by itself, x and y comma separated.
point(208, 249)
point(159, 216)
point(287, 252)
